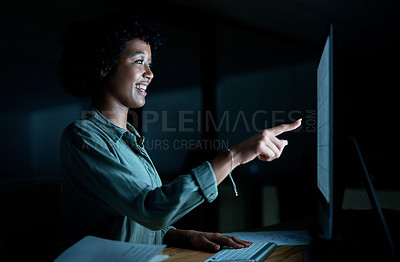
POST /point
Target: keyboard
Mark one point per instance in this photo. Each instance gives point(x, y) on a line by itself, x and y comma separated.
point(257, 252)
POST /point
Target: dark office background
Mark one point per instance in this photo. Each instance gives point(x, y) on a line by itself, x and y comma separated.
point(241, 65)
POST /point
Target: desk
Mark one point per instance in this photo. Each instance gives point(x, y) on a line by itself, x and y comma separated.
point(281, 253)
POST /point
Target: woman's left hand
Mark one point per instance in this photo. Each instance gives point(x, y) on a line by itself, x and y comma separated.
point(214, 241)
point(204, 240)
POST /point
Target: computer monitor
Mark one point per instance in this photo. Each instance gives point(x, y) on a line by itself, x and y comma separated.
point(325, 179)
point(335, 149)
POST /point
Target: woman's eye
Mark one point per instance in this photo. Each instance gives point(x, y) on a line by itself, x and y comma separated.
point(139, 62)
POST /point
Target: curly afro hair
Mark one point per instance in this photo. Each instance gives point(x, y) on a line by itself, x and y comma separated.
point(92, 50)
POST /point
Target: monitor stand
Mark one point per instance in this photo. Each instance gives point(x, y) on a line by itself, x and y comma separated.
point(363, 235)
point(377, 210)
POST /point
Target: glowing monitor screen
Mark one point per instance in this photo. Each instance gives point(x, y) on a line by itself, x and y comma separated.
point(324, 122)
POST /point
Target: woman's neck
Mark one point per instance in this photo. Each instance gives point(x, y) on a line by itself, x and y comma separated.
point(115, 112)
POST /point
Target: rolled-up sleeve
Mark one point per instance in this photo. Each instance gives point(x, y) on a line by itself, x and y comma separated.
point(205, 178)
point(119, 190)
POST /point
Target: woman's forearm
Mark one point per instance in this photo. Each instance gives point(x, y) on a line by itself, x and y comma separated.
point(222, 165)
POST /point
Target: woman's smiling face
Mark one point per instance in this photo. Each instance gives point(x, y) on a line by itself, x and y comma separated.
point(127, 86)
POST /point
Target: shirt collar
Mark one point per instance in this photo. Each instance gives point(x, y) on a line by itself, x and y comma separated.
point(114, 131)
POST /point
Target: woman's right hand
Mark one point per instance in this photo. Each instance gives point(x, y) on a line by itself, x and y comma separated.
point(264, 145)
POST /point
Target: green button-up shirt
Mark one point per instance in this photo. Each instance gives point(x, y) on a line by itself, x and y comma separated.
point(111, 188)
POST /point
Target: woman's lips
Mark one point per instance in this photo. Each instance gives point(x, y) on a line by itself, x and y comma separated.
point(141, 88)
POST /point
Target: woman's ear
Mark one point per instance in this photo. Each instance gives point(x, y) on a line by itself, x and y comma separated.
point(103, 73)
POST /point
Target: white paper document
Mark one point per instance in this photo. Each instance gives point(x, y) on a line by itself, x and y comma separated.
point(98, 249)
point(281, 238)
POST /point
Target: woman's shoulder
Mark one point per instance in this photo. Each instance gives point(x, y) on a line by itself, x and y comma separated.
point(83, 131)
point(81, 128)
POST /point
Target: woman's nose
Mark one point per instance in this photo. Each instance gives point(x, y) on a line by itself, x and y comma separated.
point(148, 73)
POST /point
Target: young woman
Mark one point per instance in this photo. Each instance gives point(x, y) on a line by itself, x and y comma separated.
point(110, 186)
